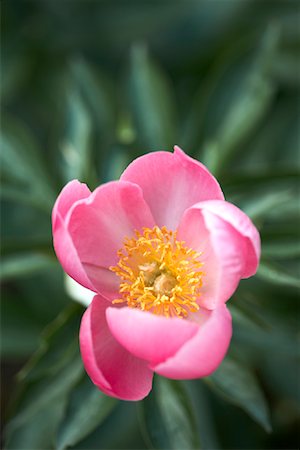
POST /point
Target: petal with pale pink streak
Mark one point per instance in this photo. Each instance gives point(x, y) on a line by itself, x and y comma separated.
point(171, 183)
point(194, 232)
point(99, 225)
point(224, 250)
point(112, 368)
point(244, 226)
point(148, 336)
point(63, 245)
point(202, 354)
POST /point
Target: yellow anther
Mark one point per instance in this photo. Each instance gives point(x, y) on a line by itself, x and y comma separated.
point(159, 273)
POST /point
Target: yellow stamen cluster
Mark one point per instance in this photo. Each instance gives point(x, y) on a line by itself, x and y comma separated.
point(159, 274)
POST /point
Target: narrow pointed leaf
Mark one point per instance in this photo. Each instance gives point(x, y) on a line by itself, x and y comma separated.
point(275, 274)
point(238, 384)
point(87, 409)
point(168, 417)
point(151, 101)
point(24, 264)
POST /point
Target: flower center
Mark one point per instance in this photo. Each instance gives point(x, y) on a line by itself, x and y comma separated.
point(159, 273)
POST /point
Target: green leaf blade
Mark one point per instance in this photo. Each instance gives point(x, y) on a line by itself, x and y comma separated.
point(87, 409)
point(168, 417)
point(238, 385)
point(151, 101)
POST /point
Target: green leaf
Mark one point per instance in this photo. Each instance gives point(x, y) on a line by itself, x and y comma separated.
point(168, 417)
point(22, 166)
point(76, 146)
point(19, 328)
point(16, 244)
point(37, 433)
point(259, 208)
point(87, 409)
point(46, 382)
point(248, 179)
point(151, 101)
point(236, 383)
point(25, 264)
point(16, 67)
point(89, 123)
point(51, 355)
point(281, 249)
point(275, 274)
point(47, 390)
point(257, 330)
point(120, 430)
point(206, 424)
point(250, 105)
point(97, 93)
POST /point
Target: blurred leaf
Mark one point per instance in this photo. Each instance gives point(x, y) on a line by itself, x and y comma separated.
point(19, 195)
point(47, 381)
point(248, 108)
point(259, 206)
point(76, 144)
point(87, 409)
point(274, 273)
point(239, 385)
point(23, 168)
point(259, 331)
point(24, 264)
point(51, 355)
point(22, 225)
point(208, 97)
point(15, 67)
point(203, 414)
point(123, 418)
point(97, 92)
point(168, 416)
point(286, 68)
point(151, 101)
point(284, 249)
point(37, 433)
point(19, 329)
point(245, 180)
point(27, 306)
point(47, 389)
point(39, 395)
point(16, 244)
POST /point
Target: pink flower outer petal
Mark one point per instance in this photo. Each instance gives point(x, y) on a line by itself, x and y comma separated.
point(73, 192)
point(148, 336)
point(227, 253)
point(244, 226)
point(203, 353)
point(112, 368)
point(171, 183)
point(98, 226)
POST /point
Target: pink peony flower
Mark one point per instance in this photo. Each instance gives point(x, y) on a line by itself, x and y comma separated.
point(163, 251)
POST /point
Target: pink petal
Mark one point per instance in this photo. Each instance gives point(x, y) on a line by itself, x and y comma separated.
point(228, 253)
point(244, 226)
point(63, 245)
point(195, 233)
point(171, 183)
point(115, 371)
point(148, 336)
point(98, 226)
point(71, 193)
point(204, 352)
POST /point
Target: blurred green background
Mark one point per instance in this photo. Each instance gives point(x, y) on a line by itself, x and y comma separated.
point(86, 87)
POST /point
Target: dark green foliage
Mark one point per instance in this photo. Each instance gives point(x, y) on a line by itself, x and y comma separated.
point(88, 86)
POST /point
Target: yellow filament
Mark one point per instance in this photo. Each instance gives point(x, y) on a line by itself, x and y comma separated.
point(159, 274)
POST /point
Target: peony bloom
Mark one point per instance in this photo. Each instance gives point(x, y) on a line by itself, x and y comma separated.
point(163, 251)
